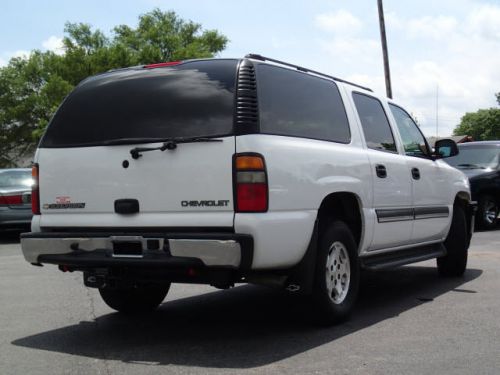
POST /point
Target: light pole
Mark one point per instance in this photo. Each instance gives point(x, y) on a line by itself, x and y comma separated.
point(387, 72)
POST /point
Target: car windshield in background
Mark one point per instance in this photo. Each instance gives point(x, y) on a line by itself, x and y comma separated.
point(193, 99)
point(471, 157)
point(14, 179)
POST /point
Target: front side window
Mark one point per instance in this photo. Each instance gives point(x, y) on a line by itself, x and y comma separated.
point(413, 140)
point(376, 128)
point(300, 105)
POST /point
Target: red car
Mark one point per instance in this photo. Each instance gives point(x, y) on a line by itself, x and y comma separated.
point(15, 198)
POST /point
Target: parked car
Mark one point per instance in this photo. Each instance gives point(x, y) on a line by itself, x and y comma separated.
point(251, 170)
point(480, 161)
point(15, 198)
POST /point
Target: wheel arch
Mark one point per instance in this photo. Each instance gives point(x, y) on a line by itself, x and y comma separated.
point(463, 200)
point(345, 206)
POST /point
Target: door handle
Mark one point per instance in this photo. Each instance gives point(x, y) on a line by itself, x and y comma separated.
point(415, 173)
point(381, 171)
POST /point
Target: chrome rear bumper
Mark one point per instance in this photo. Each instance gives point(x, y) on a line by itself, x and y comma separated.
point(213, 250)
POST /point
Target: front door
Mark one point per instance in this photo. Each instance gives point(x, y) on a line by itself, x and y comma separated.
point(429, 185)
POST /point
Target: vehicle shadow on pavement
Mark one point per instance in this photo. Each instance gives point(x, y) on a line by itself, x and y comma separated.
point(244, 327)
point(10, 237)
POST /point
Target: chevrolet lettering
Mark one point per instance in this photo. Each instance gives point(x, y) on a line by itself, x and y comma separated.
point(219, 203)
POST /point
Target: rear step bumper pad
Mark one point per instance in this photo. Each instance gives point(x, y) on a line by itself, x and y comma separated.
point(153, 249)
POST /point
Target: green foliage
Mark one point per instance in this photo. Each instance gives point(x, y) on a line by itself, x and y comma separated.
point(32, 88)
point(163, 36)
point(481, 125)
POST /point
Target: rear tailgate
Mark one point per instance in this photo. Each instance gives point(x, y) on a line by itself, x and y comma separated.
point(190, 186)
point(88, 174)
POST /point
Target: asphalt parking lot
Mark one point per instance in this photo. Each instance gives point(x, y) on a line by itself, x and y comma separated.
point(407, 320)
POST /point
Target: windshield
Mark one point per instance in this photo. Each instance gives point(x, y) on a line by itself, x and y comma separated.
point(475, 157)
point(14, 179)
point(193, 99)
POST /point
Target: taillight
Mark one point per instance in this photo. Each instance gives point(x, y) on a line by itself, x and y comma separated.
point(251, 188)
point(11, 200)
point(35, 191)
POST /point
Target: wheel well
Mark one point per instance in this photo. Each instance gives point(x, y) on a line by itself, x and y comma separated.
point(462, 199)
point(341, 206)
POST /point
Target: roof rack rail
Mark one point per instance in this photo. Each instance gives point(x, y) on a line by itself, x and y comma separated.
point(263, 58)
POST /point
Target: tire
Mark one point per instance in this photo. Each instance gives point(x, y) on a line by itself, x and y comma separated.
point(453, 264)
point(134, 300)
point(487, 213)
point(336, 279)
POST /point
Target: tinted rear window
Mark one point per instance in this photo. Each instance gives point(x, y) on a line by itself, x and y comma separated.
point(188, 100)
point(300, 105)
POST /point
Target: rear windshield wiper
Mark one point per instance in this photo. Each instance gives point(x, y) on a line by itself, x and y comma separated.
point(470, 166)
point(170, 144)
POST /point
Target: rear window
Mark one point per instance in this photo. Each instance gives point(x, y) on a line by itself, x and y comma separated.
point(16, 178)
point(300, 105)
point(376, 128)
point(476, 156)
point(194, 99)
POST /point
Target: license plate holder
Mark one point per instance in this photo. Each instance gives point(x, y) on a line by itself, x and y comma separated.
point(127, 249)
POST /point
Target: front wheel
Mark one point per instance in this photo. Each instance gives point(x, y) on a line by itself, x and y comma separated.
point(456, 244)
point(336, 280)
point(136, 299)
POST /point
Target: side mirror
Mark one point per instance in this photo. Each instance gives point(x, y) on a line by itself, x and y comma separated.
point(445, 148)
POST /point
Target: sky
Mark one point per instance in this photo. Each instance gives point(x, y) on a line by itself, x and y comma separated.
point(444, 55)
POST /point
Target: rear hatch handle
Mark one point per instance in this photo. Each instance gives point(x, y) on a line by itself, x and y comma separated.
point(170, 144)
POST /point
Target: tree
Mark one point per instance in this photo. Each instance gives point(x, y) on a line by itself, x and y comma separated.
point(32, 88)
point(482, 125)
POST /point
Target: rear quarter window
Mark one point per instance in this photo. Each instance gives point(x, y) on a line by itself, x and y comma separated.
point(188, 100)
point(300, 105)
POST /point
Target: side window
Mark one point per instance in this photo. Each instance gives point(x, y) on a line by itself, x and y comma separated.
point(413, 140)
point(378, 133)
point(300, 105)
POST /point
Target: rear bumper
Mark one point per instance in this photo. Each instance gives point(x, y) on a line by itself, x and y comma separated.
point(156, 250)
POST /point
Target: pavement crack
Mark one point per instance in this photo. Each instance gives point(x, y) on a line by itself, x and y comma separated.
point(103, 362)
point(91, 305)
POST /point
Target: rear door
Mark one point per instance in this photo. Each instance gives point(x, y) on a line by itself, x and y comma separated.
point(391, 182)
point(87, 171)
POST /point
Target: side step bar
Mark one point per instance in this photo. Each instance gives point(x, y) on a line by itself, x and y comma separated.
point(401, 257)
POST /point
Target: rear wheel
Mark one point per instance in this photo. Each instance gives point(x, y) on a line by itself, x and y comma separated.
point(138, 299)
point(487, 213)
point(337, 274)
point(456, 243)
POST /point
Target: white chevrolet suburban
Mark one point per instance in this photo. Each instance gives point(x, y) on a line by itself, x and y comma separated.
point(224, 171)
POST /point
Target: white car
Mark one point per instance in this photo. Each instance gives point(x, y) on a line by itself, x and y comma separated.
point(222, 171)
